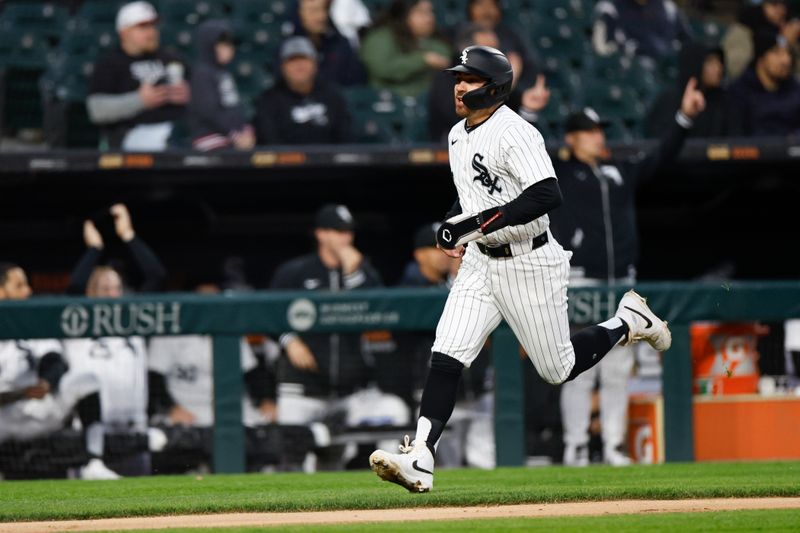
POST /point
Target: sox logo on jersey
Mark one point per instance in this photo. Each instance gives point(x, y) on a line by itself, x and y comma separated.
point(483, 175)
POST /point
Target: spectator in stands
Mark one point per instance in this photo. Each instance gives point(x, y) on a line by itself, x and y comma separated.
point(40, 392)
point(488, 14)
point(770, 15)
point(107, 281)
point(653, 28)
point(216, 114)
point(441, 112)
point(302, 108)
point(338, 60)
point(720, 117)
point(767, 95)
point(404, 49)
point(138, 92)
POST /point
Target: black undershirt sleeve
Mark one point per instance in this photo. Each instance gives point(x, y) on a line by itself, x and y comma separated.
point(160, 400)
point(535, 201)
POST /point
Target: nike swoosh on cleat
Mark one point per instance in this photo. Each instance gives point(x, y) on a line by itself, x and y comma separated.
point(649, 322)
point(418, 469)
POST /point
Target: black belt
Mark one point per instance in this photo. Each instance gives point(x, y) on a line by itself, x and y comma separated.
point(504, 250)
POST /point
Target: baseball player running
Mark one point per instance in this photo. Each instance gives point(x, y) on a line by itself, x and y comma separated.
point(514, 269)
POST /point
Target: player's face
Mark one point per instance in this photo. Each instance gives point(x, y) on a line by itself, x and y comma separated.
point(332, 239)
point(16, 286)
point(587, 144)
point(141, 39)
point(107, 285)
point(432, 259)
point(464, 84)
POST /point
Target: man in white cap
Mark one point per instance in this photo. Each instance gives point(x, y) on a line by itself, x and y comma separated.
point(138, 90)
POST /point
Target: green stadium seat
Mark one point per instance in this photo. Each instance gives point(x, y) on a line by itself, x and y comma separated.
point(188, 12)
point(379, 116)
point(259, 39)
point(564, 40)
point(616, 101)
point(40, 18)
point(450, 13)
point(181, 38)
point(561, 76)
point(251, 79)
point(97, 14)
point(23, 50)
point(708, 31)
point(258, 13)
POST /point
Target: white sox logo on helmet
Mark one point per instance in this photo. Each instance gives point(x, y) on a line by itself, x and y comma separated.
point(464, 57)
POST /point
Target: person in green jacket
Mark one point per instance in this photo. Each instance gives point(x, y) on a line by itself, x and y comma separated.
point(404, 49)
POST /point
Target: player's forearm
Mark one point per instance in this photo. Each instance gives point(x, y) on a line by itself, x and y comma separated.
point(10, 397)
point(108, 108)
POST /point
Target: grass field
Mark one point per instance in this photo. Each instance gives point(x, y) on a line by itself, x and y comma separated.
point(780, 520)
point(51, 500)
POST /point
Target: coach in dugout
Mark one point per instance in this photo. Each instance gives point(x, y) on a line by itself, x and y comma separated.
point(138, 90)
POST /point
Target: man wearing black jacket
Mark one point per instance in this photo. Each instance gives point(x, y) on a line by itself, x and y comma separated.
point(301, 108)
point(597, 223)
point(320, 367)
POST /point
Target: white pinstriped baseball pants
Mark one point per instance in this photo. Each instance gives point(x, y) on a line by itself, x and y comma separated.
point(528, 290)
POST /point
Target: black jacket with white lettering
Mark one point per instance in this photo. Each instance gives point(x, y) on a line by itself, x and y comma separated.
point(341, 364)
point(597, 220)
point(286, 117)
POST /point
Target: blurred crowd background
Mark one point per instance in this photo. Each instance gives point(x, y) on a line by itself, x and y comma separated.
point(240, 73)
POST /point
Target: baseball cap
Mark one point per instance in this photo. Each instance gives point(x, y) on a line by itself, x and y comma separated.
point(583, 120)
point(766, 40)
point(298, 46)
point(334, 216)
point(425, 235)
point(135, 13)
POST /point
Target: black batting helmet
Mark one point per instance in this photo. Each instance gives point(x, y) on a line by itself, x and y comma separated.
point(488, 63)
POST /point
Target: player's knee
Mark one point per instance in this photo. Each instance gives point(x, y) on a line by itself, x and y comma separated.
point(445, 363)
point(555, 375)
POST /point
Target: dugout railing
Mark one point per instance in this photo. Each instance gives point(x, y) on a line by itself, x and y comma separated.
point(227, 318)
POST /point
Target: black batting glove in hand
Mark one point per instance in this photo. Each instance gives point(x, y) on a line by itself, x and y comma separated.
point(462, 229)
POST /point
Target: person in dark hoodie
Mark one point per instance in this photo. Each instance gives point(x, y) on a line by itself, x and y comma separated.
point(719, 118)
point(302, 108)
point(767, 95)
point(338, 61)
point(216, 115)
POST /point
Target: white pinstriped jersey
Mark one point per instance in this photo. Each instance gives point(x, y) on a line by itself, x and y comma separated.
point(494, 163)
point(120, 363)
